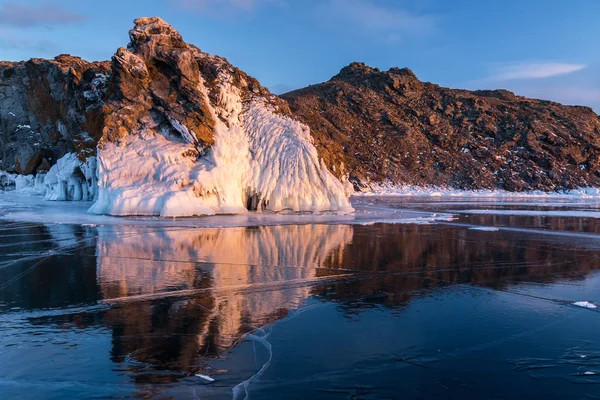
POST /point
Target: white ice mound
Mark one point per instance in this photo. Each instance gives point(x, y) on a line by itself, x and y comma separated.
point(260, 160)
point(585, 304)
point(71, 179)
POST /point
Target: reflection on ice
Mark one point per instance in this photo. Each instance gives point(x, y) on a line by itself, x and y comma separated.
point(215, 264)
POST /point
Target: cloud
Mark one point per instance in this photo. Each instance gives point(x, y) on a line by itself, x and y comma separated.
point(199, 5)
point(11, 41)
point(565, 94)
point(18, 44)
point(45, 13)
point(533, 70)
point(391, 22)
point(223, 5)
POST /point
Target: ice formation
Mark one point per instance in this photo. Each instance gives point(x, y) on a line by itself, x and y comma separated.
point(71, 179)
point(7, 179)
point(260, 160)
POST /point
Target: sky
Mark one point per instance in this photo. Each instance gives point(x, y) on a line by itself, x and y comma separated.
point(538, 48)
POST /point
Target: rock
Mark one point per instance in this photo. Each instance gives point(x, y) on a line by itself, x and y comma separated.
point(388, 126)
point(155, 84)
point(44, 104)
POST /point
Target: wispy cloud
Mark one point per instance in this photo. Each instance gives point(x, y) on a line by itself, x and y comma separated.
point(11, 41)
point(389, 21)
point(525, 70)
point(45, 13)
point(223, 5)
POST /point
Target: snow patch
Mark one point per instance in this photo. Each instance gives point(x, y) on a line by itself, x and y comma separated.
point(205, 377)
point(484, 228)
point(435, 191)
point(585, 304)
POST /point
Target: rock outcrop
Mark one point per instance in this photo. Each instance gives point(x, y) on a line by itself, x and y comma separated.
point(49, 108)
point(388, 126)
point(186, 133)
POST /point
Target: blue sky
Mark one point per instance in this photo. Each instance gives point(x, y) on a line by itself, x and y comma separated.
point(539, 48)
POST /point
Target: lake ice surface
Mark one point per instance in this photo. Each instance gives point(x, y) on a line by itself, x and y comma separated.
point(409, 297)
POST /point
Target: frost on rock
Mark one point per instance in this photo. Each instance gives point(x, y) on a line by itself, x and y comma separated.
point(71, 179)
point(260, 160)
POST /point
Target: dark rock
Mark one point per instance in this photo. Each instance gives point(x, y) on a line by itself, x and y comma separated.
point(44, 104)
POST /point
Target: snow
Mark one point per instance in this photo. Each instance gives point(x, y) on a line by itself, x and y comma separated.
point(484, 229)
point(260, 160)
point(533, 213)
point(585, 304)
point(434, 191)
point(205, 377)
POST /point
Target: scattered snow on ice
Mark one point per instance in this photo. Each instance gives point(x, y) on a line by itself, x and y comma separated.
point(205, 377)
point(585, 304)
point(534, 213)
point(260, 160)
point(433, 191)
point(484, 228)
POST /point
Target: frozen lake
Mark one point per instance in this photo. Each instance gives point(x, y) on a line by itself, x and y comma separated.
point(411, 297)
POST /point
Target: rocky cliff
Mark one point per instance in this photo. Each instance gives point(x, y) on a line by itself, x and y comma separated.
point(388, 126)
point(49, 108)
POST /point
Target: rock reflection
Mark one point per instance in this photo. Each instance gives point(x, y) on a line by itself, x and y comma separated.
point(408, 258)
point(231, 265)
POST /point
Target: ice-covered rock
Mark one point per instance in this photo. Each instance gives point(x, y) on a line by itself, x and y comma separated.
point(192, 135)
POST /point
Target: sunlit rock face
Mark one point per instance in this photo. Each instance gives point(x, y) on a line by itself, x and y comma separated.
point(389, 126)
point(223, 273)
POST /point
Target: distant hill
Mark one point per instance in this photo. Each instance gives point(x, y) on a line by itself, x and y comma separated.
point(388, 126)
